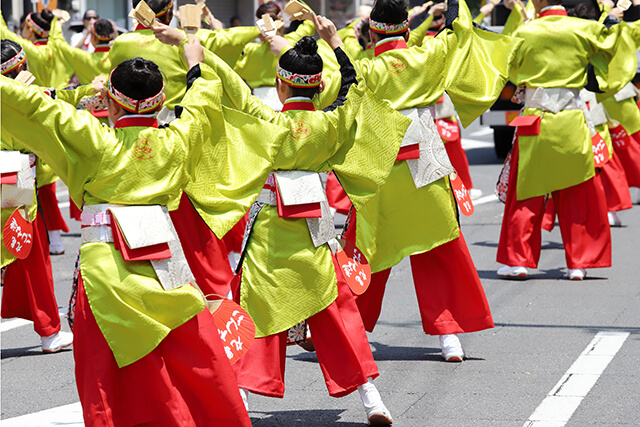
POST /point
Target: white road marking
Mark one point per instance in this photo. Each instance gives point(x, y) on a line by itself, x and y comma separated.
point(7, 325)
point(468, 143)
point(486, 199)
point(67, 415)
point(12, 324)
point(63, 205)
point(563, 399)
point(482, 132)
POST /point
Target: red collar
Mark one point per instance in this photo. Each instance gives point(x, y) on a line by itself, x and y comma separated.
point(41, 42)
point(393, 44)
point(553, 12)
point(102, 49)
point(142, 121)
point(298, 104)
point(141, 27)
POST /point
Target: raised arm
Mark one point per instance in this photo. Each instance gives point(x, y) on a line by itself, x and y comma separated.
point(70, 141)
point(228, 43)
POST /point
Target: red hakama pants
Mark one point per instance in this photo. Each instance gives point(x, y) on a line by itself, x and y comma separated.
point(48, 205)
point(233, 239)
point(450, 296)
point(336, 195)
point(630, 159)
point(205, 253)
point(185, 381)
point(458, 159)
point(341, 346)
point(616, 186)
point(582, 216)
point(28, 286)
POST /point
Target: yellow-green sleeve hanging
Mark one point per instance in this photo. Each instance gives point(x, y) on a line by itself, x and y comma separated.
point(417, 35)
point(228, 43)
point(87, 66)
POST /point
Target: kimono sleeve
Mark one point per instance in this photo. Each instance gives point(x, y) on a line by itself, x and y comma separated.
point(87, 66)
point(71, 142)
point(73, 96)
point(477, 64)
point(612, 54)
point(228, 43)
point(236, 94)
point(417, 35)
point(231, 153)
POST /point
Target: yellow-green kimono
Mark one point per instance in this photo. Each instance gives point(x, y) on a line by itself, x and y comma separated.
point(135, 165)
point(49, 69)
point(472, 66)
point(561, 155)
point(141, 42)
point(87, 66)
point(285, 277)
point(257, 64)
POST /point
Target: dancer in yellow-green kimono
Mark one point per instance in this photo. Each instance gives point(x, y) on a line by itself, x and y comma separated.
point(287, 274)
point(415, 213)
point(554, 153)
point(136, 325)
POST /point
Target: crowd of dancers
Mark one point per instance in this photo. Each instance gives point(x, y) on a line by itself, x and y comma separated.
point(193, 161)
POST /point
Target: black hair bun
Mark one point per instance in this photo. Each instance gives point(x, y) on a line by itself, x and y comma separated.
point(47, 15)
point(306, 46)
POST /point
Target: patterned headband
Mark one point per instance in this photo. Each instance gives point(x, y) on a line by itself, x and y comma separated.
point(299, 80)
point(13, 63)
point(384, 28)
point(134, 105)
point(99, 37)
point(35, 27)
point(165, 10)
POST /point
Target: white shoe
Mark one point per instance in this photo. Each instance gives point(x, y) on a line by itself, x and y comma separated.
point(475, 193)
point(377, 413)
point(244, 393)
point(451, 348)
point(636, 199)
point(576, 273)
point(513, 272)
point(614, 221)
point(56, 247)
point(56, 342)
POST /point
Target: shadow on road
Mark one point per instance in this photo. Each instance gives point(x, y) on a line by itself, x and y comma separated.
point(27, 351)
point(307, 418)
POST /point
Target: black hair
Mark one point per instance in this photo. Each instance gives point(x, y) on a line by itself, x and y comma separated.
point(43, 19)
point(84, 17)
point(270, 8)
point(303, 58)
point(364, 38)
point(103, 28)
point(9, 50)
point(158, 6)
point(137, 78)
point(584, 11)
point(389, 12)
point(233, 18)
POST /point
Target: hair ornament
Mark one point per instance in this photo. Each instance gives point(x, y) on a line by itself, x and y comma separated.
point(35, 27)
point(299, 80)
point(134, 105)
point(384, 28)
point(13, 63)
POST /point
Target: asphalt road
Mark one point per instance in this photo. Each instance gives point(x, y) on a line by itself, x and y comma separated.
point(542, 357)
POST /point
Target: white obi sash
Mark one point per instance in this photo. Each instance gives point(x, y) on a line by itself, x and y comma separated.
point(434, 162)
point(141, 226)
point(20, 193)
point(302, 187)
point(629, 91)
